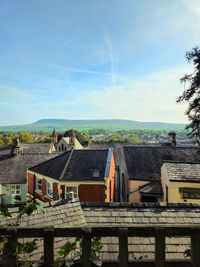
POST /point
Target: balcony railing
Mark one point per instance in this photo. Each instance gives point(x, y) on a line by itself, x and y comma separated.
point(159, 232)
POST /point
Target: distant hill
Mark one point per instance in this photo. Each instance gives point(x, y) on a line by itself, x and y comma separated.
point(48, 125)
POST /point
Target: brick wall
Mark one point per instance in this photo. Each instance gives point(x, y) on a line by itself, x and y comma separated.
point(31, 183)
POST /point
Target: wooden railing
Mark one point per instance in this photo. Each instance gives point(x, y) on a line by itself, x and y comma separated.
point(159, 232)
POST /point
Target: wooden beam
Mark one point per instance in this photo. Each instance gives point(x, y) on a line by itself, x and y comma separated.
point(48, 247)
point(10, 249)
point(123, 247)
point(195, 246)
point(107, 230)
point(86, 247)
point(159, 247)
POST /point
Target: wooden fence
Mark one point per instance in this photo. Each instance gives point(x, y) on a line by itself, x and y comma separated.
point(158, 231)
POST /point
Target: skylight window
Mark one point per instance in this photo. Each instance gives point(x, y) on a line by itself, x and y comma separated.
point(96, 173)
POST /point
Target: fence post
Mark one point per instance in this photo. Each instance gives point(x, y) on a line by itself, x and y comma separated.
point(86, 247)
point(10, 250)
point(195, 246)
point(123, 247)
point(48, 247)
point(159, 247)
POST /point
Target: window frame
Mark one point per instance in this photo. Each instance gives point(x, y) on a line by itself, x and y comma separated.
point(49, 191)
point(38, 180)
point(15, 190)
point(96, 173)
point(75, 193)
point(187, 195)
point(190, 193)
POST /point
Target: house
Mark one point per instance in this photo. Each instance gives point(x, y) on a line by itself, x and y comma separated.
point(87, 175)
point(14, 162)
point(140, 169)
point(65, 143)
point(68, 143)
point(181, 182)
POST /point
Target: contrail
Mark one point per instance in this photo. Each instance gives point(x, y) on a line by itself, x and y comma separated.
point(109, 45)
point(78, 70)
point(87, 71)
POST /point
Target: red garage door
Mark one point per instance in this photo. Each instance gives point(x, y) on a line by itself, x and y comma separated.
point(91, 193)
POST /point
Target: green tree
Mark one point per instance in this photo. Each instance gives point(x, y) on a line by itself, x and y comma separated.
point(132, 139)
point(1, 142)
point(47, 139)
point(8, 139)
point(172, 138)
point(191, 94)
point(26, 137)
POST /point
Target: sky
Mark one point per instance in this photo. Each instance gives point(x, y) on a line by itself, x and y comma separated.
point(95, 59)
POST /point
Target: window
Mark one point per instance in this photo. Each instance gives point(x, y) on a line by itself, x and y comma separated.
point(96, 173)
point(49, 190)
point(16, 189)
point(71, 192)
point(190, 193)
point(38, 185)
point(167, 193)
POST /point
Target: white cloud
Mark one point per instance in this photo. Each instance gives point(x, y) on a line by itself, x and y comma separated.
point(12, 92)
point(152, 98)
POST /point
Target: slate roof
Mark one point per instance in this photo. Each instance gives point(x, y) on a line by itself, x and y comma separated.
point(6, 152)
point(13, 167)
point(144, 162)
point(26, 149)
point(118, 214)
point(37, 148)
point(65, 215)
point(130, 214)
point(152, 189)
point(183, 172)
point(75, 165)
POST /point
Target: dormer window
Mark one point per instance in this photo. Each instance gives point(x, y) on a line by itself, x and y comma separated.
point(96, 173)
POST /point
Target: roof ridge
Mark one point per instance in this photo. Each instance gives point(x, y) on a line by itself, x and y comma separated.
point(66, 165)
point(159, 146)
point(182, 162)
point(53, 158)
point(143, 205)
point(82, 150)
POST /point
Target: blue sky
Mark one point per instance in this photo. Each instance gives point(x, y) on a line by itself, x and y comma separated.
point(95, 59)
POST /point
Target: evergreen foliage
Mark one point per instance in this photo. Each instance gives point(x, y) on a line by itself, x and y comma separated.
point(191, 94)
